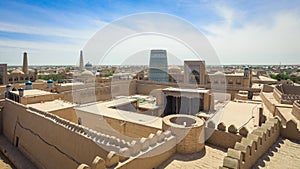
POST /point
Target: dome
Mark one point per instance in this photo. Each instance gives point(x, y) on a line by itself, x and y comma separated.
point(174, 69)
point(50, 81)
point(87, 73)
point(88, 64)
point(219, 73)
point(17, 71)
point(246, 68)
point(28, 82)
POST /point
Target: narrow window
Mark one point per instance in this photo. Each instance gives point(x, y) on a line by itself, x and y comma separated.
point(79, 121)
point(17, 141)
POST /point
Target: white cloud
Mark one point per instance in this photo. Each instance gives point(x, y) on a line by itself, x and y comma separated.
point(275, 41)
point(47, 31)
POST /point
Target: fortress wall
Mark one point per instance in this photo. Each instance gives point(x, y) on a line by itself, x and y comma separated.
point(42, 135)
point(277, 94)
point(267, 88)
point(296, 109)
point(229, 135)
point(271, 107)
point(153, 150)
point(99, 92)
point(250, 149)
point(290, 130)
point(147, 152)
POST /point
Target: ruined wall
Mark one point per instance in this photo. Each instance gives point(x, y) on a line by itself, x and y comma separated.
point(50, 141)
point(250, 149)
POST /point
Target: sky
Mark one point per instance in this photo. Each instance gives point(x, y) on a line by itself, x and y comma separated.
point(240, 31)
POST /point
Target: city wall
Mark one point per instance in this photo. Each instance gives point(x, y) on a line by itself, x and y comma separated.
point(147, 152)
point(290, 130)
point(296, 109)
point(229, 134)
point(36, 135)
point(246, 152)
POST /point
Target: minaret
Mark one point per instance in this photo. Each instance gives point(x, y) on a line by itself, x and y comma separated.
point(81, 61)
point(25, 63)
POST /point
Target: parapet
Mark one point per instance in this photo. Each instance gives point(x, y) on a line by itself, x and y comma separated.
point(141, 148)
point(291, 130)
point(230, 135)
point(246, 152)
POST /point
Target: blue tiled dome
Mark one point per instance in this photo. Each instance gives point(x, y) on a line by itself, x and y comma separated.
point(50, 81)
point(28, 82)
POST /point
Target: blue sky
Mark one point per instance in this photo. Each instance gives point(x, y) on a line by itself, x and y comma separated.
point(241, 32)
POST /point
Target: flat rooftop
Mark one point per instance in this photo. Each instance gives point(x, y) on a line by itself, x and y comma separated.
point(51, 105)
point(33, 93)
point(103, 109)
point(240, 114)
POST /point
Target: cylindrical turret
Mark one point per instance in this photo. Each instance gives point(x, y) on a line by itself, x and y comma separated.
point(8, 86)
point(21, 92)
point(28, 85)
point(50, 83)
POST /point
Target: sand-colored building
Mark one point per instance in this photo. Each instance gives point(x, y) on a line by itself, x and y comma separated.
point(118, 129)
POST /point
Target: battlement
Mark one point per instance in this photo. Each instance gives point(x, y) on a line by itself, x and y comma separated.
point(291, 130)
point(296, 109)
point(139, 152)
point(230, 135)
point(246, 152)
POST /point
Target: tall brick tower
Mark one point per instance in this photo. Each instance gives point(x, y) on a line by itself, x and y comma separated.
point(81, 61)
point(25, 63)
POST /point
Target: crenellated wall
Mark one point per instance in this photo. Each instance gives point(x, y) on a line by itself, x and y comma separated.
point(35, 134)
point(229, 135)
point(145, 153)
point(290, 130)
point(246, 152)
point(296, 109)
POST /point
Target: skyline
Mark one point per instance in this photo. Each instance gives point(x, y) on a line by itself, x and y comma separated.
point(53, 33)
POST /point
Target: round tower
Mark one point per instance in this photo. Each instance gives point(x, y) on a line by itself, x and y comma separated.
point(188, 130)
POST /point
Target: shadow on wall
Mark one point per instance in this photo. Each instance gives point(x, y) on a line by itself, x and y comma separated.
point(250, 149)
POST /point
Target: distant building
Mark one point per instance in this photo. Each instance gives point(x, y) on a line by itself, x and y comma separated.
point(194, 72)
point(17, 76)
point(3, 74)
point(89, 66)
point(158, 66)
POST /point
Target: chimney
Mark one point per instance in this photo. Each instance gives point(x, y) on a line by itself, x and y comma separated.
point(25, 63)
